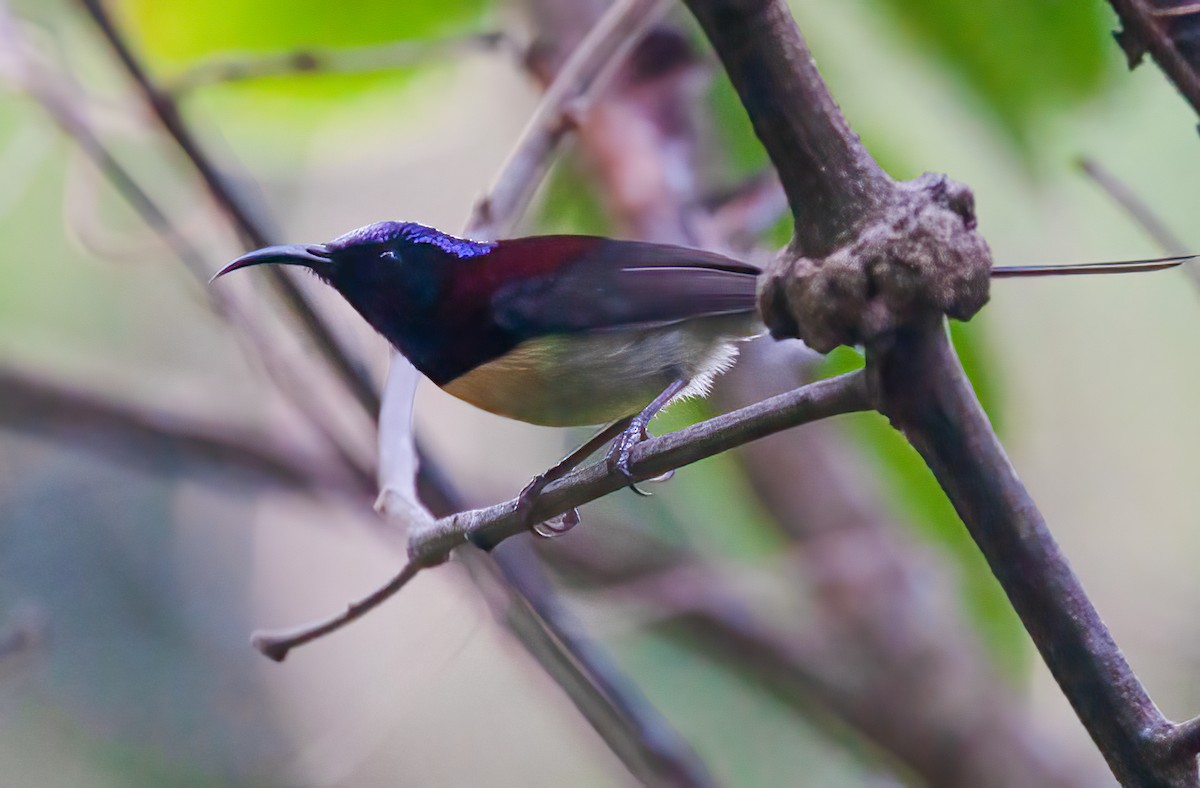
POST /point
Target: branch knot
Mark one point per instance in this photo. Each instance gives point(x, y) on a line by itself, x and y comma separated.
point(918, 255)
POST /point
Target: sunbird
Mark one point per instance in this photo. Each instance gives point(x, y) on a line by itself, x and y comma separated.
point(559, 330)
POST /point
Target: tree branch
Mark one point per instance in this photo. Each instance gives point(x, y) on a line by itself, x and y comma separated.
point(654, 457)
point(432, 544)
point(275, 644)
point(35, 402)
point(1140, 212)
point(635, 730)
point(47, 90)
point(922, 677)
point(1149, 27)
point(926, 395)
point(235, 206)
point(910, 266)
point(1183, 741)
point(575, 87)
point(830, 180)
point(1135, 207)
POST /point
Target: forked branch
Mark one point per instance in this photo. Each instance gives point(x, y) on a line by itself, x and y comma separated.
point(912, 367)
point(432, 544)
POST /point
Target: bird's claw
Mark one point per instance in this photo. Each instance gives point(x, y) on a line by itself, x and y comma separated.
point(620, 453)
point(526, 500)
point(547, 530)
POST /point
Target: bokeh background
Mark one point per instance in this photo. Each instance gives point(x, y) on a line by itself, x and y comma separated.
point(142, 569)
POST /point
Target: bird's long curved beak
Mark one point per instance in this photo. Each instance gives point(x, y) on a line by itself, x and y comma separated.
point(314, 256)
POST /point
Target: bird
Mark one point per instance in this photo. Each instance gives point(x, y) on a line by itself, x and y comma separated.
point(557, 330)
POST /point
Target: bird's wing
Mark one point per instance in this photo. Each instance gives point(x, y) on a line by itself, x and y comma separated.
point(605, 284)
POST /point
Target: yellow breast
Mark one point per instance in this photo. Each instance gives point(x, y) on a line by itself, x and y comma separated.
point(574, 379)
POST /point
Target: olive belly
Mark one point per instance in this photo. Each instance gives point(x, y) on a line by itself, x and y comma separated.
point(573, 379)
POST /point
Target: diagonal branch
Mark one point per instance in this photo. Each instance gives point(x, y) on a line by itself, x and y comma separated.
point(1149, 27)
point(431, 544)
point(47, 89)
point(830, 179)
point(635, 730)
point(1141, 213)
point(913, 369)
point(241, 214)
point(34, 402)
point(575, 87)
point(655, 457)
point(926, 395)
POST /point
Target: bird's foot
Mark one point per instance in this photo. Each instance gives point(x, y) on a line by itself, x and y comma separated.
point(619, 453)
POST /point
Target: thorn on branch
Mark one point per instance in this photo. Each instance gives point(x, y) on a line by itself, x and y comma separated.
point(1168, 33)
point(1133, 45)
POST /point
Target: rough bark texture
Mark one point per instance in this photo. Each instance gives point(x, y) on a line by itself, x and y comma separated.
point(916, 378)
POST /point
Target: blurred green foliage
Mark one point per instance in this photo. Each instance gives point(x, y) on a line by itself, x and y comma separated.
point(238, 28)
point(1022, 58)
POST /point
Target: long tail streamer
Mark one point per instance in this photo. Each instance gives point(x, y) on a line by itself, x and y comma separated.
point(1069, 269)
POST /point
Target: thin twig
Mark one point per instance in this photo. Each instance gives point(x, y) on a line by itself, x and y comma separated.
point(1140, 212)
point(62, 107)
point(357, 60)
point(577, 84)
point(1144, 31)
point(1179, 10)
point(432, 544)
point(235, 206)
point(1135, 206)
point(275, 644)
